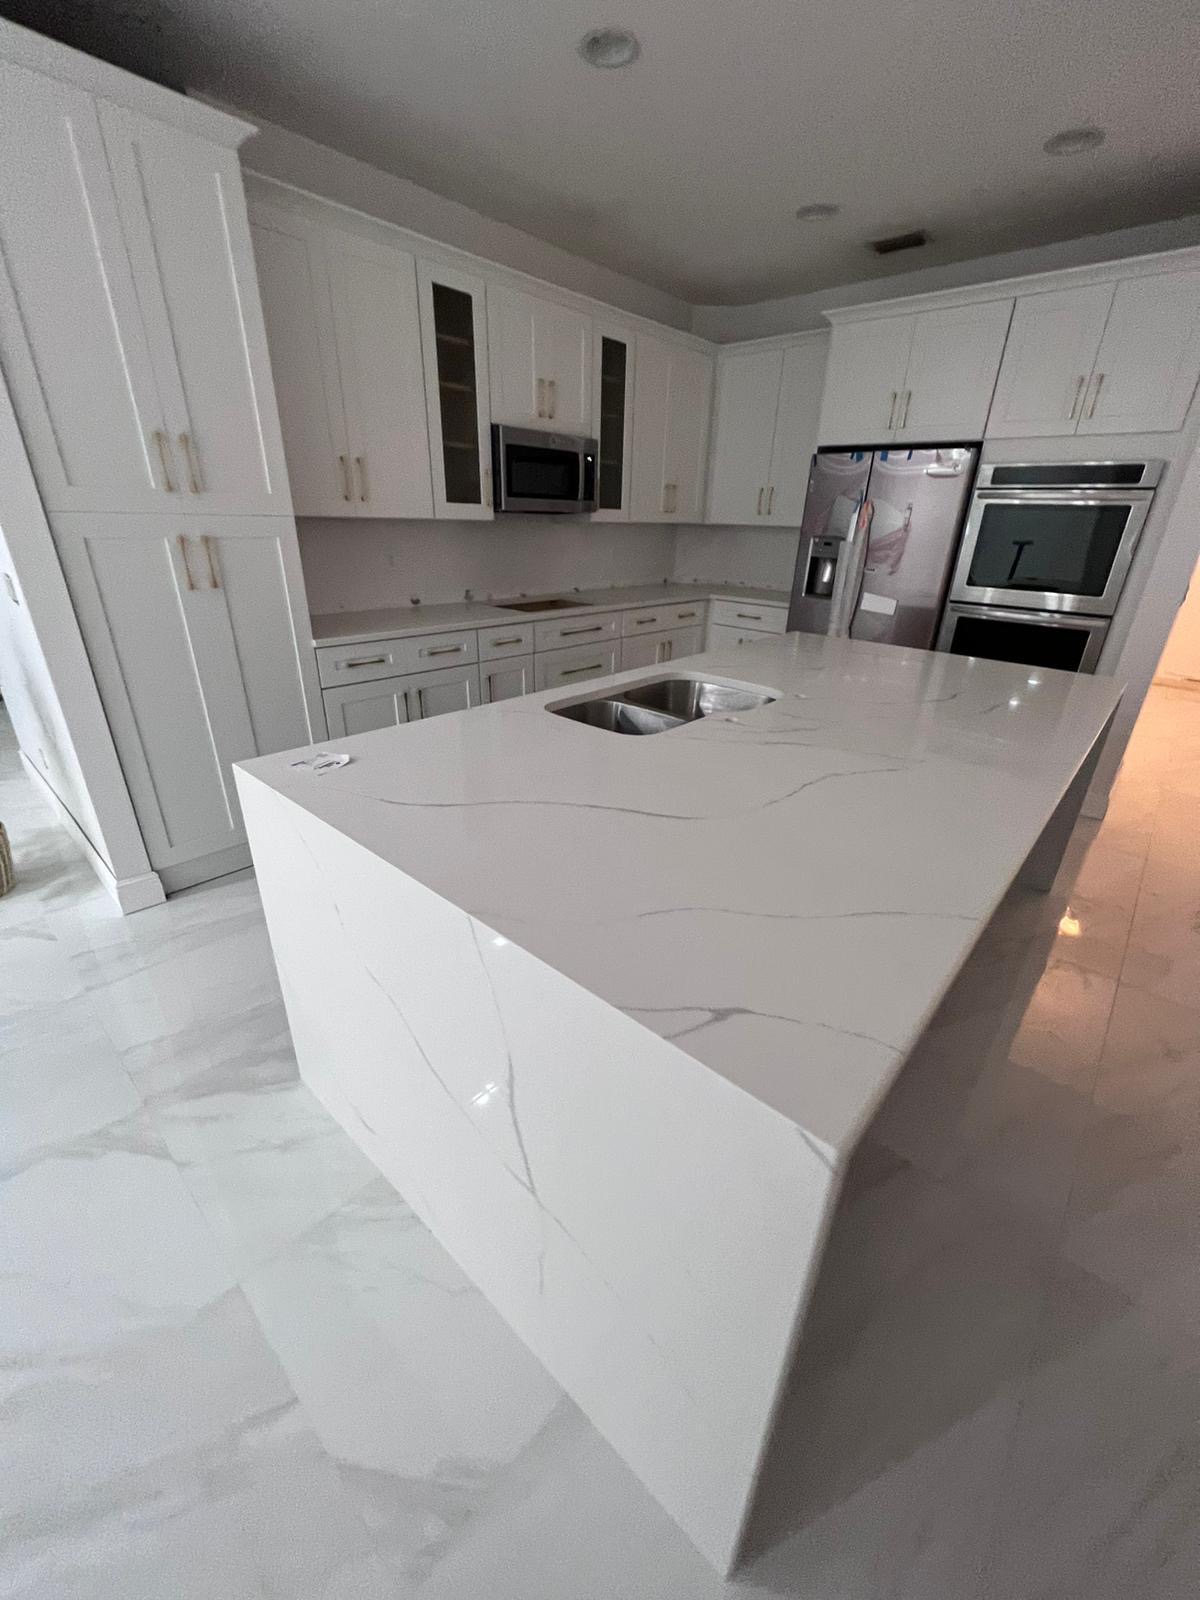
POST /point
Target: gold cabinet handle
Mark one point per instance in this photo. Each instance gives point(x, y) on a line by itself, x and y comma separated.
point(640, 622)
point(758, 502)
point(362, 661)
point(187, 566)
point(444, 650)
point(541, 397)
point(552, 386)
point(160, 440)
point(1095, 395)
point(748, 616)
point(347, 491)
point(516, 639)
point(214, 581)
point(771, 500)
point(892, 409)
point(1078, 396)
point(907, 403)
point(685, 616)
point(195, 482)
point(572, 672)
point(361, 463)
point(569, 633)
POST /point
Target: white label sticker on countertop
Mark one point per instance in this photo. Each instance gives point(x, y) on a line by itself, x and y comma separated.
point(882, 603)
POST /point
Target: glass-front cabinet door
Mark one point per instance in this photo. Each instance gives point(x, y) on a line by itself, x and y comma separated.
point(454, 346)
point(612, 412)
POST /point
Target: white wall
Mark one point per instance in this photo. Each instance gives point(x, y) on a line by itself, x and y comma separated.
point(358, 566)
point(1181, 659)
point(764, 558)
point(275, 152)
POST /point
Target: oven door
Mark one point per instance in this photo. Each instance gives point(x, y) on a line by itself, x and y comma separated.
point(1049, 551)
point(1031, 638)
point(543, 471)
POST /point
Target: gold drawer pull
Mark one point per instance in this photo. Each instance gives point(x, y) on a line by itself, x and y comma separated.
point(592, 666)
point(685, 616)
point(444, 650)
point(749, 616)
point(517, 639)
point(569, 633)
point(363, 661)
point(160, 440)
point(642, 621)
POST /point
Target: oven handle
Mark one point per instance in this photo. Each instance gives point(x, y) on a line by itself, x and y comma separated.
point(1037, 619)
point(1064, 497)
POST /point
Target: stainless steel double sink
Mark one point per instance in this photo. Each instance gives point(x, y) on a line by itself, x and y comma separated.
point(660, 705)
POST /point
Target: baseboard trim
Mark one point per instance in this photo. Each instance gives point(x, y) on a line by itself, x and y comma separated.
point(131, 894)
point(187, 874)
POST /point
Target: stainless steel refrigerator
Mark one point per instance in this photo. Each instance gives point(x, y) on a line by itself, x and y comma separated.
point(877, 541)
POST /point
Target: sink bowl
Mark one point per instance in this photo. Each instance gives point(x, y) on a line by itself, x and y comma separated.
point(661, 704)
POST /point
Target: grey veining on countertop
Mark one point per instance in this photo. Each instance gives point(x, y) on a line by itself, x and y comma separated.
point(394, 622)
point(783, 892)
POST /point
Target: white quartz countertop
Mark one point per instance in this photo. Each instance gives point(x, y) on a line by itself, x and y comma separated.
point(359, 627)
point(785, 893)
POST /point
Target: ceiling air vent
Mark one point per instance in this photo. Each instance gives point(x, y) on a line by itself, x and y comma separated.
point(900, 241)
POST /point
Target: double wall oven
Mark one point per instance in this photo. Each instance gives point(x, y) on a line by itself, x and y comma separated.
point(1044, 556)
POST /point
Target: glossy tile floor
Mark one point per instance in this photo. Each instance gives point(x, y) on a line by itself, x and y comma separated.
point(235, 1365)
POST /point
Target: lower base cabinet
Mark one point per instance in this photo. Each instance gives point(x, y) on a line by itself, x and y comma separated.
point(190, 625)
point(388, 702)
point(720, 633)
point(649, 649)
point(555, 669)
point(506, 680)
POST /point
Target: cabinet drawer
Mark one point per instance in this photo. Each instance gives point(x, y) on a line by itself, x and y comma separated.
point(564, 632)
point(749, 614)
point(514, 640)
point(721, 635)
point(656, 619)
point(383, 658)
point(561, 668)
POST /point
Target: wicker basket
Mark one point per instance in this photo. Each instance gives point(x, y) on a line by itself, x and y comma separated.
point(6, 866)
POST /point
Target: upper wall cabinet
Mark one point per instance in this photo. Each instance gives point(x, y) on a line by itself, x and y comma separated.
point(130, 329)
point(672, 401)
point(1100, 359)
point(454, 341)
point(344, 327)
point(613, 351)
point(540, 358)
point(768, 402)
point(913, 378)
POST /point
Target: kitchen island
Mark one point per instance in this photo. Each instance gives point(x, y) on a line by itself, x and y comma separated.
point(612, 1012)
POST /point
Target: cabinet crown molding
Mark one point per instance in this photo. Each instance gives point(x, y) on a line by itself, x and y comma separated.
point(1156, 264)
point(21, 47)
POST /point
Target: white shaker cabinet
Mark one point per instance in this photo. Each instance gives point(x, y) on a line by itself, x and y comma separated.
point(388, 702)
point(1045, 376)
point(864, 384)
point(540, 356)
point(652, 649)
point(72, 341)
point(672, 401)
point(191, 627)
point(768, 403)
point(506, 680)
point(183, 215)
point(344, 327)
point(1148, 362)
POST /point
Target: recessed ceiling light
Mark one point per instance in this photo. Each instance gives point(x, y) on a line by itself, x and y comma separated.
point(1073, 141)
point(818, 210)
point(609, 47)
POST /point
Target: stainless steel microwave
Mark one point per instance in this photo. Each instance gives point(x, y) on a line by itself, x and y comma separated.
point(534, 470)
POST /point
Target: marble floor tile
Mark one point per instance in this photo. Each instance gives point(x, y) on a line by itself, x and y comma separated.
point(233, 1365)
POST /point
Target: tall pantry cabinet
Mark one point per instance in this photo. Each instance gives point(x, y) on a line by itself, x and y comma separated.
point(133, 347)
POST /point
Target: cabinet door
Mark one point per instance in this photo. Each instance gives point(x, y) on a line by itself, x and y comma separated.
point(686, 451)
point(651, 396)
point(865, 380)
point(1149, 357)
point(748, 383)
point(540, 361)
point(650, 650)
point(379, 355)
point(454, 344)
point(72, 340)
point(612, 416)
point(432, 694)
point(192, 637)
point(292, 273)
point(1048, 359)
point(363, 707)
point(952, 367)
point(796, 430)
point(183, 214)
point(506, 680)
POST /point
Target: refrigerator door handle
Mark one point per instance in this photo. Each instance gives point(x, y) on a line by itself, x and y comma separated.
point(848, 581)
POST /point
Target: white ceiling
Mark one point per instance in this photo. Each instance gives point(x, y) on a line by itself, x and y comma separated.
point(685, 169)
